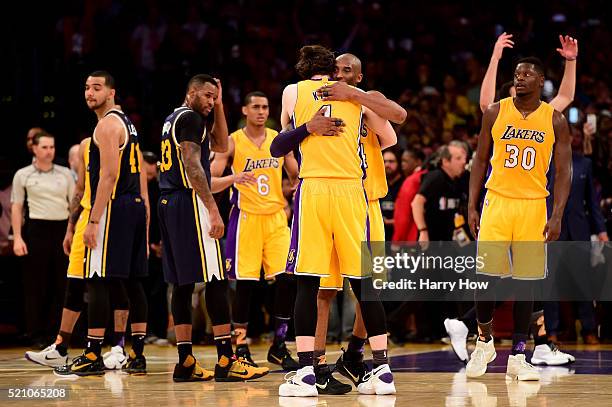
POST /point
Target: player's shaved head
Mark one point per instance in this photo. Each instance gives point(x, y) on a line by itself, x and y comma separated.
point(352, 60)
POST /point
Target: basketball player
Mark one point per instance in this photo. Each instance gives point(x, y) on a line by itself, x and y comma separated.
point(350, 364)
point(257, 232)
point(56, 354)
point(331, 214)
point(523, 133)
point(116, 229)
point(546, 351)
point(191, 225)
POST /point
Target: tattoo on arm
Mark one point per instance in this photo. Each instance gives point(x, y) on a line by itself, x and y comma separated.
point(191, 154)
point(75, 207)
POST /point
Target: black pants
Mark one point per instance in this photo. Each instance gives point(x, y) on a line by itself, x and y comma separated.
point(44, 277)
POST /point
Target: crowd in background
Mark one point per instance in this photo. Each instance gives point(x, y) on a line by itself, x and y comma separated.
point(429, 58)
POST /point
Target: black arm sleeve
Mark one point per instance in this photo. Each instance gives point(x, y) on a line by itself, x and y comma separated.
point(190, 127)
point(288, 141)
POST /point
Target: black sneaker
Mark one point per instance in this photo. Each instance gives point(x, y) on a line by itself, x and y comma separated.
point(191, 371)
point(87, 364)
point(280, 355)
point(328, 384)
point(354, 370)
point(243, 352)
point(237, 370)
point(135, 364)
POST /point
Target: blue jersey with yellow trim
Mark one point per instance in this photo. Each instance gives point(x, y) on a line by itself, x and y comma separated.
point(128, 177)
point(173, 175)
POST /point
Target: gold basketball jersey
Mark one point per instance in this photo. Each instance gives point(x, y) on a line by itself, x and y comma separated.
point(265, 196)
point(329, 156)
point(522, 151)
point(86, 200)
point(376, 180)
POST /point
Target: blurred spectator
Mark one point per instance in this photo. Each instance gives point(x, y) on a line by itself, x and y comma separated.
point(391, 157)
point(411, 160)
point(47, 188)
point(73, 160)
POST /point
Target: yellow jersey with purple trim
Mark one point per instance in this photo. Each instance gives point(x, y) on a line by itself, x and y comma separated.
point(266, 195)
point(522, 151)
point(338, 156)
point(375, 183)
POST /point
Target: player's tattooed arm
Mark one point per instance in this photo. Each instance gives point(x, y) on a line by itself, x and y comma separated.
point(219, 133)
point(480, 163)
point(192, 154)
point(562, 155)
point(75, 203)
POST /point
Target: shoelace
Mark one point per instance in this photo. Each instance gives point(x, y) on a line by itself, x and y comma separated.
point(289, 376)
point(526, 364)
point(478, 355)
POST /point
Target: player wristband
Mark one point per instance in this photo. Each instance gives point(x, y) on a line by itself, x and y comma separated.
point(94, 222)
point(423, 230)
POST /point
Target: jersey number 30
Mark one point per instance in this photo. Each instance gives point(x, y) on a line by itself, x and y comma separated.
point(526, 157)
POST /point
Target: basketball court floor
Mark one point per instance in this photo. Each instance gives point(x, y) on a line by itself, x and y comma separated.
point(425, 375)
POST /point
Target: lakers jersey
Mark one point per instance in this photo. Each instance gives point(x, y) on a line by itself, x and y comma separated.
point(375, 183)
point(128, 176)
point(266, 196)
point(522, 150)
point(86, 200)
point(173, 175)
point(338, 156)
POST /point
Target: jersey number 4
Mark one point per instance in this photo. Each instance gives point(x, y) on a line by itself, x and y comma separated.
point(526, 157)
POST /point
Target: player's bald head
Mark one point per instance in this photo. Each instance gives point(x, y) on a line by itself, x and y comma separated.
point(351, 60)
point(348, 69)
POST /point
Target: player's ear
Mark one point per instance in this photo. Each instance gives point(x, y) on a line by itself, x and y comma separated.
point(244, 110)
point(359, 77)
point(112, 93)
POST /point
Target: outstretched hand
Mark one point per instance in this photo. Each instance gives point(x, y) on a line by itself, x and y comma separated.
point(503, 41)
point(569, 47)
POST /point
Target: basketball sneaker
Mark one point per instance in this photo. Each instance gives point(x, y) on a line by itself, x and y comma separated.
point(327, 383)
point(47, 357)
point(549, 354)
point(354, 370)
point(280, 355)
point(191, 371)
point(237, 370)
point(481, 357)
point(87, 364)
point(519, 369)
point(136, 365)
point(243, 352)
point(301, 383)
point(457, 332)
point(115, 358)
point(378, 381)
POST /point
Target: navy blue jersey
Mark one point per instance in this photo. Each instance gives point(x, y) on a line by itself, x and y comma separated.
point(183, 124)
point(128, 178)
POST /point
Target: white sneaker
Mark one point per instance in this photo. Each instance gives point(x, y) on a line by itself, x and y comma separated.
point(550, 355)
point(115, 358)
point(519, 369)
point(480, 358)
point(457, 331)
point(378, 381)
point(47, 357)
point(299, 384)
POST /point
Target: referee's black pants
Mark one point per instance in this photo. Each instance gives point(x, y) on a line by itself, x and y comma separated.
point(44, 277)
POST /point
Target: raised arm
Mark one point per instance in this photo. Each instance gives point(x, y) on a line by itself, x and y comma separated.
point(382, 128)
point(562, 156)
point(110, 135)
point(567, 89)
point(192, 153)
point(487, 89)
point(480, 163)
point(219, 132)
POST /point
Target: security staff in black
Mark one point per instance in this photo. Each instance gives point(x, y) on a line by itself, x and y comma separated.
point(116, 234)
point(190, 226)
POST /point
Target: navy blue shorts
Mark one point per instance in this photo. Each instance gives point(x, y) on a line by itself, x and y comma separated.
point(190, 255)
point(121, 250)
